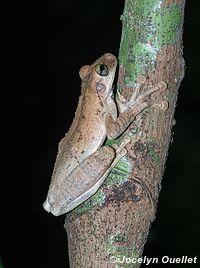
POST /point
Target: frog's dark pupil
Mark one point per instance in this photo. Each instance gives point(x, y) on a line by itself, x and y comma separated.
point(103, 69)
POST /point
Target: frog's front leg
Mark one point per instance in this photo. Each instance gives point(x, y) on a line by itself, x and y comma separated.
point(130, 109)
point(85, 179)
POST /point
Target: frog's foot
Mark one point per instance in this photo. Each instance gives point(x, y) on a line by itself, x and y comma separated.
point(148, 192)
point(140, 101)
point(139, 98)
point(123, 103)
point(120, 152)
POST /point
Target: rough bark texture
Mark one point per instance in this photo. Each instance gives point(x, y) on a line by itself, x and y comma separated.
point(116, 220)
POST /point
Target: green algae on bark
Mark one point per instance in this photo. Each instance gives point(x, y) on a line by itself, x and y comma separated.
point(160, 25)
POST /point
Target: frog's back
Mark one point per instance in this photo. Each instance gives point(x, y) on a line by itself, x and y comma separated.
point(85, 136)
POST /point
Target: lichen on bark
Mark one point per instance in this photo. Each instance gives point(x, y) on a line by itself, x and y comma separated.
point(116, 220)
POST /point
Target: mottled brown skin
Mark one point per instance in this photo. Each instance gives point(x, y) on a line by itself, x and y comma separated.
point(76, 177)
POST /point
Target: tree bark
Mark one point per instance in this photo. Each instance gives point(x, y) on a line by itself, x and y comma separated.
point(115, 222)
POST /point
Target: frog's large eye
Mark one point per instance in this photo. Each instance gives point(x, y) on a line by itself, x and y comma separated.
point(102, 69)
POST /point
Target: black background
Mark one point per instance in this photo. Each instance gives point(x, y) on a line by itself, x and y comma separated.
point(44, 45)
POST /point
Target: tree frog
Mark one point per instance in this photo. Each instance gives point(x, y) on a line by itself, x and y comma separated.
point(82, 163)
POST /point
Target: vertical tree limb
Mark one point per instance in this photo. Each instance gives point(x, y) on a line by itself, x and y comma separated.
point(116, 220)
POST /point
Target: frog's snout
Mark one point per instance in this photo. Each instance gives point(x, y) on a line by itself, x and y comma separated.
point(111, 58)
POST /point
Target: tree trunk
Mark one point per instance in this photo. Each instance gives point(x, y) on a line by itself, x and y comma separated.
point(112, 226)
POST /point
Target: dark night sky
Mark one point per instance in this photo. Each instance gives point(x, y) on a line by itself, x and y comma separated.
point(44, 45)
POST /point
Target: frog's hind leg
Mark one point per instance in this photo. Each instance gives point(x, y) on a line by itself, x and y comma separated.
point(87, 178)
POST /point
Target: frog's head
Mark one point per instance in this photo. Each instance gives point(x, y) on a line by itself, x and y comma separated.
point(99, 76)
